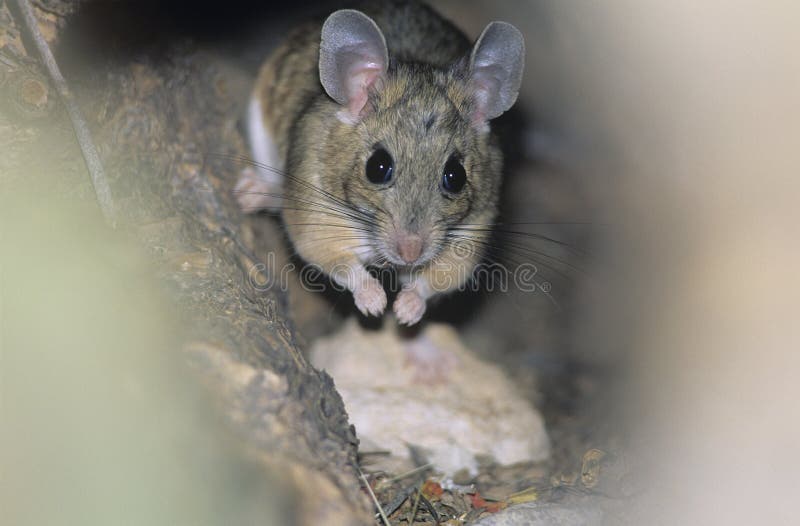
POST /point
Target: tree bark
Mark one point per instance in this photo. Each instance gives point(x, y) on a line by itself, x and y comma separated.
point(167, 134)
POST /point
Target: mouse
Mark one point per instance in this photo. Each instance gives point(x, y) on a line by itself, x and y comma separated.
point(370, 133)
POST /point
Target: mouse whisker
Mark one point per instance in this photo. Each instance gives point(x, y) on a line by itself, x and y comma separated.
point(521, 234)
point(501, 232)
point(535, 223)
point(513, 252)
point(323, 226)
point(286, 175)
point(320, 207)
point(540, 285)
point(313, 239)
point(518, 255)
point(522, 249)
point(368, 224)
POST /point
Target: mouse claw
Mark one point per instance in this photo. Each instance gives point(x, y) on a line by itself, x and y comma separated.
point(370, 299)
point(409, 307)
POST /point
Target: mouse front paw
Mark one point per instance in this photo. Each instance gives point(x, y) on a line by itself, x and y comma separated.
point(370, 298)
point(409, 307)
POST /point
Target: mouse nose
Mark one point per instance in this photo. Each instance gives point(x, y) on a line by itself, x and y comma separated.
point(409, 246)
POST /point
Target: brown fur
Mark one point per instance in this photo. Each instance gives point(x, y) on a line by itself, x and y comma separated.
point(420, 113)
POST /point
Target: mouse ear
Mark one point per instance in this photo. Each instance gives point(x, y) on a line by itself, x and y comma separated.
point(495, 70)
point(352, 58)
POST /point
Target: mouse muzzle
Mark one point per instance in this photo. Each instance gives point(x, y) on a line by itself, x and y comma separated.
point(409, 246)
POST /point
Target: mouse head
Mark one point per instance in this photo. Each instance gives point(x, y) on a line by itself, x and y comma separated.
point(419, 155)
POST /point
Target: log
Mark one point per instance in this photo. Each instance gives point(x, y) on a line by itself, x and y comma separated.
point(166, 130)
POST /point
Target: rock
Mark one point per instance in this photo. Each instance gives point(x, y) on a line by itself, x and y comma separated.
point(428, 390)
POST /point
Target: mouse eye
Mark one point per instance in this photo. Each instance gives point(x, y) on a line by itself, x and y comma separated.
point(380, 167)
point(454, 177)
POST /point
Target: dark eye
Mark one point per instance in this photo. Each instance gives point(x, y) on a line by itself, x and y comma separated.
point(454, 177)
point(380, 167)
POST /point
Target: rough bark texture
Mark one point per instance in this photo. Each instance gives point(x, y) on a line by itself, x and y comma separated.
point(167, 133)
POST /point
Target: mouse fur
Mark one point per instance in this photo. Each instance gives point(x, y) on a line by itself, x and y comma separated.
point(395, 76)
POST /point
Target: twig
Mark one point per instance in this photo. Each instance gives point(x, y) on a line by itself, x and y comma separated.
point(374, 499)
point(412, 472)
point(90, 155)
point(429, 507)
point(398, 500)
point(416, 506)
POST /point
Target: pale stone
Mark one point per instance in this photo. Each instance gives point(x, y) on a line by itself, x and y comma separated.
point(430, 391)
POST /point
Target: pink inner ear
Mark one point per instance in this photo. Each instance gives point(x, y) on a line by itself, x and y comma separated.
point(360, 78)
point(482, 94)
